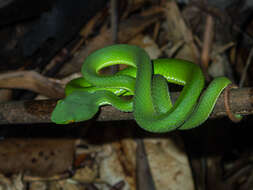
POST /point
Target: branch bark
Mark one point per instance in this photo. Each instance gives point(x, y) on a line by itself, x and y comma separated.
point(33, 81)
point(39, 111)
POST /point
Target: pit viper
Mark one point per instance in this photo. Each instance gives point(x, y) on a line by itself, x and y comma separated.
point(147, 82)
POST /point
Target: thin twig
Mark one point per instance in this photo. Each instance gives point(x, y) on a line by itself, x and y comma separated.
point(223, 48)
point(156, 30)
point(114, 21)
point(174, 49)
point(114, 28)
point(244, 73)
point(144, 180)
point(207, 44)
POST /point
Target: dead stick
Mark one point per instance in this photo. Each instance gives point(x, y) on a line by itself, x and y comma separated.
point(241, 102)
point(114, 29)
point(208, 39)
point(33, 81)
point(244, 74)
point(114, 21)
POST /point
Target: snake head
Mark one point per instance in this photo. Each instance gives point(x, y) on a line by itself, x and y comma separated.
point(76, 107)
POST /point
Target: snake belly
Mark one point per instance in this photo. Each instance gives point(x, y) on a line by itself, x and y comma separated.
point(147, 82)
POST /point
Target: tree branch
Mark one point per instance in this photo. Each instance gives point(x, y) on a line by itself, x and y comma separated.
point(33, 81)
point(39, 111)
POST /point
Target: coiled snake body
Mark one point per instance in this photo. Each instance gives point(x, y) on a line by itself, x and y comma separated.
point(147, 82)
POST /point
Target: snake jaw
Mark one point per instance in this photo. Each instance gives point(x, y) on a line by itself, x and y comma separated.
point(77, 106)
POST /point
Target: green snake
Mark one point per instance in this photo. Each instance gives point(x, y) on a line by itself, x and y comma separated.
point(146, 81)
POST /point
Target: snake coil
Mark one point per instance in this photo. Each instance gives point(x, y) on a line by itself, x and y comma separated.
point(147, 82)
